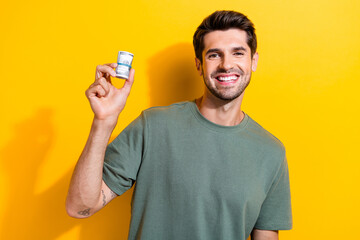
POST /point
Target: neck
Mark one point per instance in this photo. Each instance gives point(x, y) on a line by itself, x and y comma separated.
point(226, 113)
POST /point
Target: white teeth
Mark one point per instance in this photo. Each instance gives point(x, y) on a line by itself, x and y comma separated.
point(227, 78)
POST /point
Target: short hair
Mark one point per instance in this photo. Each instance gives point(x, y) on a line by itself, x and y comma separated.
point(224, 20)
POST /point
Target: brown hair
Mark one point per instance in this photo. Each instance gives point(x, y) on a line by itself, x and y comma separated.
point(224, 20)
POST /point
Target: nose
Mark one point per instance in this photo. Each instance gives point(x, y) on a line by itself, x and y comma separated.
point(226, 62)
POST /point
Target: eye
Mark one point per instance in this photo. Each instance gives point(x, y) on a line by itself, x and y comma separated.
point(238, 53)
point(213, 55)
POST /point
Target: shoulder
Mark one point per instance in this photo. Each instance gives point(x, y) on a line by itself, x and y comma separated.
point(170, 111)
point(264, 139)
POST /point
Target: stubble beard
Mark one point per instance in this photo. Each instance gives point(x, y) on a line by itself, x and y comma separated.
point(226, 93)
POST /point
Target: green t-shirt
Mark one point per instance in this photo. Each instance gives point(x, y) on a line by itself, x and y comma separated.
point(199, 180)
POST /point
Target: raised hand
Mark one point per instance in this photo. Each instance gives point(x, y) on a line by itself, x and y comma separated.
point(106, 100)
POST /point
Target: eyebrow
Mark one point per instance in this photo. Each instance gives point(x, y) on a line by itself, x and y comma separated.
point(239, 49)
point(211, 50)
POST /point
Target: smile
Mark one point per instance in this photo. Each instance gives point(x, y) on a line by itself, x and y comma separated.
point(227, 78)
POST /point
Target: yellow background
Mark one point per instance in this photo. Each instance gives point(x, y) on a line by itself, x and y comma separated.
point(305, 92)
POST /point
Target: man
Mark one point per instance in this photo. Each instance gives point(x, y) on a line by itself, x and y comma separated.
point(203, 169)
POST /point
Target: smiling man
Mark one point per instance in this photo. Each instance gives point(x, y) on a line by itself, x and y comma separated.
point(202, 169)
point(226, 63)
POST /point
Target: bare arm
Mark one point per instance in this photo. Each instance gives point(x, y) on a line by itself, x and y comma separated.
point(258, 234)
point(87, 191)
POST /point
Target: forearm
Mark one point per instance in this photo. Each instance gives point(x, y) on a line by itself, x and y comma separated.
point(86, 183)
point(87, 191)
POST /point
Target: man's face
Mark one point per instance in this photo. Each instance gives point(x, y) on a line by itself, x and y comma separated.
point(227, 63)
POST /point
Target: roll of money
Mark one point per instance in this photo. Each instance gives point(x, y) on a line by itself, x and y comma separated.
point(124, 62)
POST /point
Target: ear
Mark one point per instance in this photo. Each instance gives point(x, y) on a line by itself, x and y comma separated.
point(254, 61)
point(198, 66)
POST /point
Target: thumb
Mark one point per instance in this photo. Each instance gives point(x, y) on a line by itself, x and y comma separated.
point(129, 82)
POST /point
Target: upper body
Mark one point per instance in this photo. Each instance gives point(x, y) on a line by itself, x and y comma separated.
point(196, 179)
point(225, 47)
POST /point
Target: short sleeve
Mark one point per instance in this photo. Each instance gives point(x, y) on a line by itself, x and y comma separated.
point(275, 213)
point(123, 157)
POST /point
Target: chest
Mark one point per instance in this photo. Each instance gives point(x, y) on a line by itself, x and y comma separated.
point(216, 170)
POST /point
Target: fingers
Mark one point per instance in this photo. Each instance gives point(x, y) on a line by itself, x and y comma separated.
point(95, 91)
point(113, 65)
point(105, 70)
point(129, 82)
point(105, 85)
point(99, 88)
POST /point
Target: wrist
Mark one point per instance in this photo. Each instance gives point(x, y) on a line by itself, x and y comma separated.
point(104, 125)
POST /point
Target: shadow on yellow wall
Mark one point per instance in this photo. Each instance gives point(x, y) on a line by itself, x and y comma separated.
point(42, 216)
point(172, 77)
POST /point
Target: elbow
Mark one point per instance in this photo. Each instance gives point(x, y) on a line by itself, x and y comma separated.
point(71, 213)
point(74, 212)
